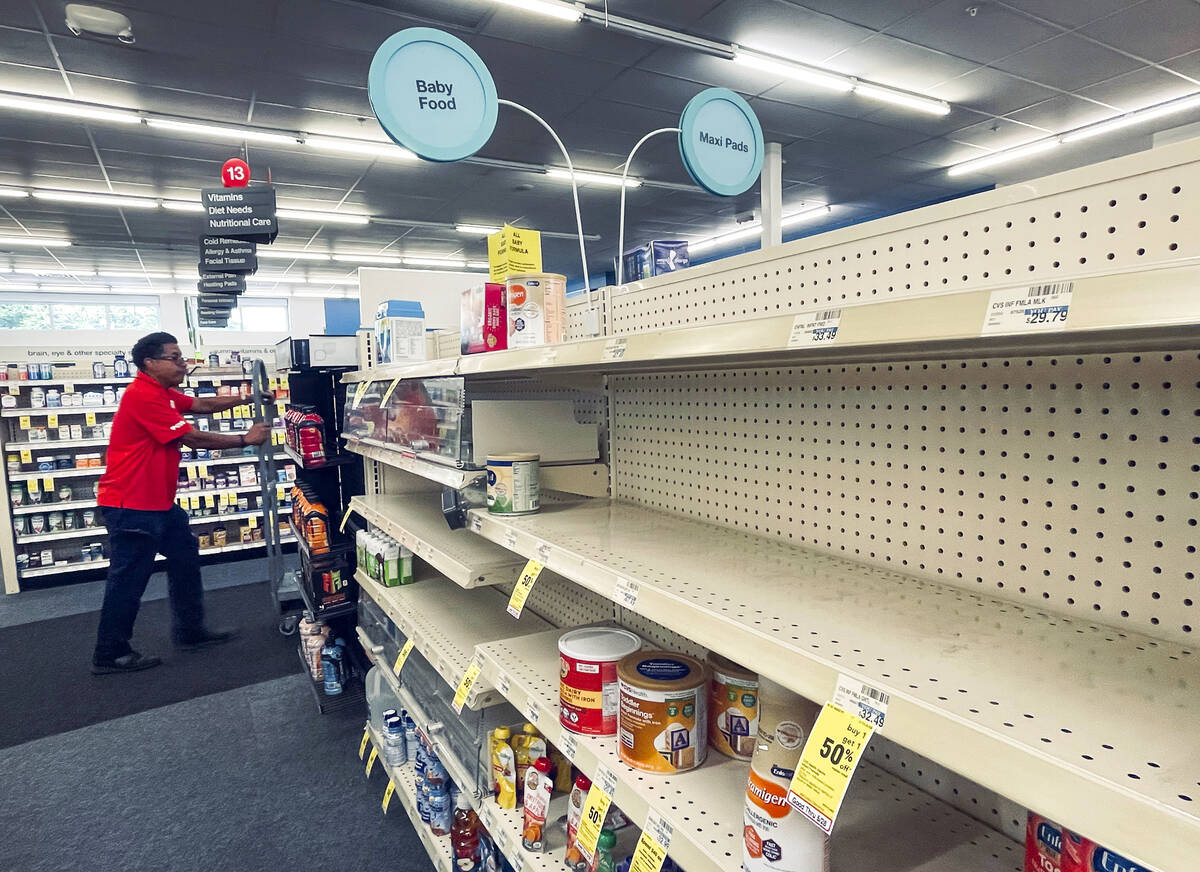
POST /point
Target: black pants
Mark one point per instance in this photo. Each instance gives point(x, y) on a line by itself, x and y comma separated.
point(134, 538)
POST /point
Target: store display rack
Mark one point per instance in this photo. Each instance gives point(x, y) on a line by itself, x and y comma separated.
point(76, 566)
point(335, 460)
point(450, 476)
point(417, 523)
point(353, 693)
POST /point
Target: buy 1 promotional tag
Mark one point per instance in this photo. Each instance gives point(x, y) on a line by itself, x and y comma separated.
point(33, 486)
point(26, 455)
point(362, 746)
point(464, 687)
point(387, 795)
point(595, 809)
point(402, 656)
point(48, 483)
point(371, 760)
point(652, 847)
point(827, 763)
point(524, 585)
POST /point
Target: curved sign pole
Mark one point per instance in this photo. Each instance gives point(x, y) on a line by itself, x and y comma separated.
point(624, 176)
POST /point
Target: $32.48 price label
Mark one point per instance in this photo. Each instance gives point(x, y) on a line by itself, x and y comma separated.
point(827, 763)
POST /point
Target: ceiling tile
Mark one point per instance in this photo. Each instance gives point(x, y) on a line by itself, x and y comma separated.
point(1139, 89)
point(991, 92)
point(1072, 13)
point(901, 64)
point(780, 28)
point(993, 32)
point(875, 14)
point(1067, 62)
point(996, 134)
point(1153, 30)
point(1061, 113)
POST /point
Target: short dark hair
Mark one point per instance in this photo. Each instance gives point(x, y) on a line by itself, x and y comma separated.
point(150, 346)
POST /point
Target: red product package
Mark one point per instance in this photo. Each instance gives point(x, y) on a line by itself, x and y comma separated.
point(483, 319)
point(1043, 845)
point(1084, 855)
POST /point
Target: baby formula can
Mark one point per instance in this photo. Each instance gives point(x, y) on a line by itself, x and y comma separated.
point(537, 307)
point(732, 708)
point(587, 688)
point(662, 718)
point(512, 484)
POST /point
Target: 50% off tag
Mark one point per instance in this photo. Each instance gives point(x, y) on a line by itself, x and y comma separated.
point(529, 575)
point(827, 763)
point(595, 810)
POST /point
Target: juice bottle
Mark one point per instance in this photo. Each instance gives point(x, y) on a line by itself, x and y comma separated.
point(464, 836)
point(604, 849)
point(575, 860)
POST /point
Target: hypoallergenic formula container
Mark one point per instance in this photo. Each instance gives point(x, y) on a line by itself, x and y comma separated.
point(587, 689)
point(537, 309)
point(732, 708)
point(662, 718)
point(512, 484)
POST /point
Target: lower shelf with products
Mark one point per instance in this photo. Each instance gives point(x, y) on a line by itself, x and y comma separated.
point(61, 566)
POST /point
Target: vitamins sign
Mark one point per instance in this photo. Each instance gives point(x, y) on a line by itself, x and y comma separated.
point(432, 94)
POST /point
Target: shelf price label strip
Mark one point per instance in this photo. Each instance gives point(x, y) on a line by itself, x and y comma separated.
point(595, 809)
point(529, 575)
point(827, 764)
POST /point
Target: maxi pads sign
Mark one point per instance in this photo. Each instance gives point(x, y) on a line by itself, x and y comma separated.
point(721, 142)
point(432, 94)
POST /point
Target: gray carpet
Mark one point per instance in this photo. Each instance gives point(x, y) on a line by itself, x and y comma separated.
point(247, 779)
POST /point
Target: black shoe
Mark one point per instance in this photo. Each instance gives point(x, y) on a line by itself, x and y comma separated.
point(207, 640)
point(131, 662)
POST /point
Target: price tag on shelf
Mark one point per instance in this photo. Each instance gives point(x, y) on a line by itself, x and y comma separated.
point(345, 518)
point(52, 421)
point(510, 540)
point(464, 686)
point(24, 422)
point(869, 703)
point(595, 809)
point(371, 760)
point(1031, 309)
point(387, 795)
point(503, 684)
point(90, 418)
point(531, 712)
point(362, 746)
point(653, 844)
point(476, 524)
point(811, 329)
point(208, 501)
point(203, 469)
point(280, 493)
point(272, 383)
point(388, 394)
point(569, 745)
point(68, 388)
point(252, 521)
point(33, 486)
point(626, 593)
point(194, 502)
point(402, 656)
point(614, 349)
point(14, 390)
point(26, 455)
point(543, 553)
point(524, 585)
point(359, 392)
point(827, 763)
point(48, 483)
point(519, 863)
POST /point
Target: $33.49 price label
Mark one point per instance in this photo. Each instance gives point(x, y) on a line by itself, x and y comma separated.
point(827, 763)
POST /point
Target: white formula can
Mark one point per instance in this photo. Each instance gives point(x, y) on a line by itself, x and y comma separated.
point(512, 484)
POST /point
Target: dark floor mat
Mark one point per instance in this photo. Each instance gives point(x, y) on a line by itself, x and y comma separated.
point(48, 686)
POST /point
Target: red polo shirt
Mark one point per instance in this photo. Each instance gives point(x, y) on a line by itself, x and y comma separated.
point(143, 451)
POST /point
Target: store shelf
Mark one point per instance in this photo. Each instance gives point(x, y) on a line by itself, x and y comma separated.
point(56, 410)
point(1108, 753)
point(59, 569)
point(53, 507)
point(441, 366)
point(459, 770)
point(73, 472)
point(446, 622)
point(441, 852)
point(885, 826)
point(43, 444)
point(77, 533)
point(222, 518)
point(330, 462)
point(417, 523)
point(391, 456)
point(38, 382)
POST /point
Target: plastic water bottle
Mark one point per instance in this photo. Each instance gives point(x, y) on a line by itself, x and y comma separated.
point(440, 813)
point(331, 667)
point(394, 751)
point(410, 738)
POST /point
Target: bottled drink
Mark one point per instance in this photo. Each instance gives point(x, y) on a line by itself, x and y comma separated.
point(464, 836)
point(394, 751)
point(440, 812)
point(331, 667)
point(604, 849)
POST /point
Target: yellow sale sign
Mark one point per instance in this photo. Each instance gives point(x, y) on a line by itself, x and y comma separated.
point(512, 251)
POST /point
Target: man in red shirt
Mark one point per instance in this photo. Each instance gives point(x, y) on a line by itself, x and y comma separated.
point(137, 497)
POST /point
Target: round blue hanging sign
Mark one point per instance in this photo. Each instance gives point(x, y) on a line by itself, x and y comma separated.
point(432, 94)
point(721, 142)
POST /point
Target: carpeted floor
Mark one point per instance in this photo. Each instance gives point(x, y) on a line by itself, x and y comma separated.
point(51, 690)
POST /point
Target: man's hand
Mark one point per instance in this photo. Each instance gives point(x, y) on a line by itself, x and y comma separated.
point(257, 434)
point(267, 398)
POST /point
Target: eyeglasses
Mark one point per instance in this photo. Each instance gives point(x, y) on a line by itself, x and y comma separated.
point(173, 358)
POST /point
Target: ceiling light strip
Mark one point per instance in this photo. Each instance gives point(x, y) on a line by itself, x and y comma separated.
point(553, 8)
point(34, 241)
point(1002, 157)
point(585, 177)
point(1130, 118)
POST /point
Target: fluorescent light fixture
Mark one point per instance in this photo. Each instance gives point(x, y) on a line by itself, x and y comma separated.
point(476, 229)
point(452, 262)
point(324, 217)
point(281, 280)
point(585, 177)
point(478, 264)
point(368, 258)
point(182, 206)
point(133, 275)
point(13, 194)
point(805, 214)
point(17, 288)
point(62, 273)
point(1131, 118)
point(349, 280)
point(34, 241)
point(121, 202)
point(903, 98)
point(553, 8)
point(337, 145)
point(267, 295)
point(1002, 157)
point(751, 230)
point(214, 131)
point(789, 70)
point(269, 253)
point(70, 109)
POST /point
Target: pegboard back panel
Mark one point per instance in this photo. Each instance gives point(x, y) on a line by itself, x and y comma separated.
point(1129, 213)
point(1071, 484)
point(577, 314)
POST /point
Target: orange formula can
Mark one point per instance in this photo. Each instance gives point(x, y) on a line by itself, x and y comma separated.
point(732, 708)
point(662, 718)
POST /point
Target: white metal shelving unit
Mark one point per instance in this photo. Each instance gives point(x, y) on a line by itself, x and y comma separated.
point(996, 527)
point(450, 476)
point(417, 523)
point(59, 569)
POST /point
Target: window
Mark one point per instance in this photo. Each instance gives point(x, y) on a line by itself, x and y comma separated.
point(79, 313)
point(259, 316)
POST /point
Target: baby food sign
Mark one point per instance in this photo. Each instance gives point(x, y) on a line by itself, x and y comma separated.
point(721, 142)
point(432, 94)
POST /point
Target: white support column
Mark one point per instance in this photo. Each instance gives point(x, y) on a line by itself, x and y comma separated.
point(771, 186)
